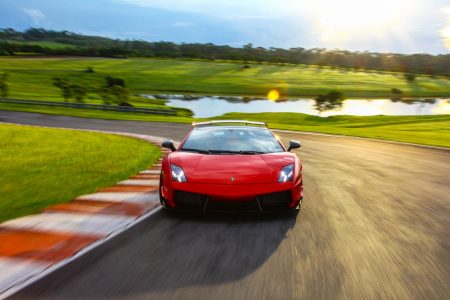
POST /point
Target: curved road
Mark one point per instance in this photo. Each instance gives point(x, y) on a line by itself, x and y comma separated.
point(375, 223)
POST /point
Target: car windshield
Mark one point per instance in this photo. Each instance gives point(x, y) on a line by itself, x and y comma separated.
point(231, 140)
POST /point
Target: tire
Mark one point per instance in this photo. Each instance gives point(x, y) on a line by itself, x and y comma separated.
point(299, 205)
point(162, 200)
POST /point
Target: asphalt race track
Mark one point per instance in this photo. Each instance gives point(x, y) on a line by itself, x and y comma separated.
point(375, 223)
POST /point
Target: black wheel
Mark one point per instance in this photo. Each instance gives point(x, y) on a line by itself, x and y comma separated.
point(299, 205)
point(161, 198)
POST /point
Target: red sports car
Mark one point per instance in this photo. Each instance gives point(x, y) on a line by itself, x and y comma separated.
point(237, 165)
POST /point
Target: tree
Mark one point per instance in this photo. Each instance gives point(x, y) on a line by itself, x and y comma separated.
point(78, 92)
point(112, 81)
point(396, 94)
point(410, 77)
point(89, 70)
point(329, 101)
point(120, 93)
point(65, 87)
point(4, 88)
point(114, 91)
point(106, 96)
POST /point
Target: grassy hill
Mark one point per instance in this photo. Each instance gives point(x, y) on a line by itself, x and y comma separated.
point(32, 78)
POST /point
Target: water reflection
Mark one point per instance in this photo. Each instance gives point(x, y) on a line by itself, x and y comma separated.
point(327, 102)
point(205, 107)
point(443, 107)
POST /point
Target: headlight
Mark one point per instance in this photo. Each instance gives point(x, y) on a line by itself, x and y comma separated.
point(287, 174)
point(177, 173)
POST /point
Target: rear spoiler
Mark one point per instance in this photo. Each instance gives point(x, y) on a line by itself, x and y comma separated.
point(217, 122)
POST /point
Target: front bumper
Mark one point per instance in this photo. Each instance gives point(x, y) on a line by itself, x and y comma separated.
point(247, 197)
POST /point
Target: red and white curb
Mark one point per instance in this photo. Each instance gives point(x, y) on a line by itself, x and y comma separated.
point(31, 247)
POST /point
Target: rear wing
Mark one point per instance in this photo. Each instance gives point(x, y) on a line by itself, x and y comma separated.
point(218, 122)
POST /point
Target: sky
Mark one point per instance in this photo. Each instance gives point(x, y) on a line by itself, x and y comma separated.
point(401, 26)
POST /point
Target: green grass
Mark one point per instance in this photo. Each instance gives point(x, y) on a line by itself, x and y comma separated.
point(90, 113)
point(433, 130)
point(40, 167)
point(32, 78)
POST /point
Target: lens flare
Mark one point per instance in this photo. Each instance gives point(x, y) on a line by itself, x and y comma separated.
point(273, 95)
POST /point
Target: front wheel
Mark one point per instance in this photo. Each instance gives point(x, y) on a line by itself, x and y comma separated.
point(162, 200)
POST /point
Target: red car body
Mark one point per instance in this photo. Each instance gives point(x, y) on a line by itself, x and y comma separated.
point(231, 181)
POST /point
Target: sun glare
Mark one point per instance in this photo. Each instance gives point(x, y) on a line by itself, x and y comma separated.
point(445, 32)
point(344, 19)
point(443, 107)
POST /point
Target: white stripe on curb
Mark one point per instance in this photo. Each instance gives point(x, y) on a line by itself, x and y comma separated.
point(150, 172)
point(142, 182)
point(132, 197)
point(69, 222)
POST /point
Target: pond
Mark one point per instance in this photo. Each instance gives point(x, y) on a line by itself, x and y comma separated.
point(209, 106)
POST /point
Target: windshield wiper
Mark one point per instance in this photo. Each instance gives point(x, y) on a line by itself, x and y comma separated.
point(224, 151)
point(251, 152)
point(236, 152)
point(196, 150)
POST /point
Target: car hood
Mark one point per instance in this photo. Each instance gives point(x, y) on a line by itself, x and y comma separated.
point(232, 169)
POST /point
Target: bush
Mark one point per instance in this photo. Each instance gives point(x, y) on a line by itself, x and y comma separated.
point(112, 81)
point(126, 104)
point(114, 91)
point(396, 91)
point(410, 77)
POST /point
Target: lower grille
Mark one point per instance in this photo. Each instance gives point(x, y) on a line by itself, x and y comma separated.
point(276, 200)
point(186, 200)
point(200, 202)
point(232, 206)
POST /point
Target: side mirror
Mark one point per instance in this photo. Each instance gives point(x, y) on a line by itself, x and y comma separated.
point(293, 145)
point(169, 145)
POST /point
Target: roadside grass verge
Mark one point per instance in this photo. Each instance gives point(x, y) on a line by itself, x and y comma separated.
point(433, 130)
point(40, 166)
point(91, 113)
point(32, 78)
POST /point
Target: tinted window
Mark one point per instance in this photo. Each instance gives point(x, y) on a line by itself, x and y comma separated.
point(232, 139)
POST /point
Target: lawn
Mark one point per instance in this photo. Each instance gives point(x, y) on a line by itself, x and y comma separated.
point(40, 167)
point(32, 78)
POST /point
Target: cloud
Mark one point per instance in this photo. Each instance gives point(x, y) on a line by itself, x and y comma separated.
point(219, 8)
point(35, 15)
point(445, 31)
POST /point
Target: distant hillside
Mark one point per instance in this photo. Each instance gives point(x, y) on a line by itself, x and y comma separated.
point(42, 41)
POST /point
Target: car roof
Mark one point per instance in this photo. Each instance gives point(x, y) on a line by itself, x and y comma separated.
point(230, 127)
point(217, 122)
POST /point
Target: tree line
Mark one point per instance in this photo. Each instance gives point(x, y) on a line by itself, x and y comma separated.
point(12, 41)
point(113, 92)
